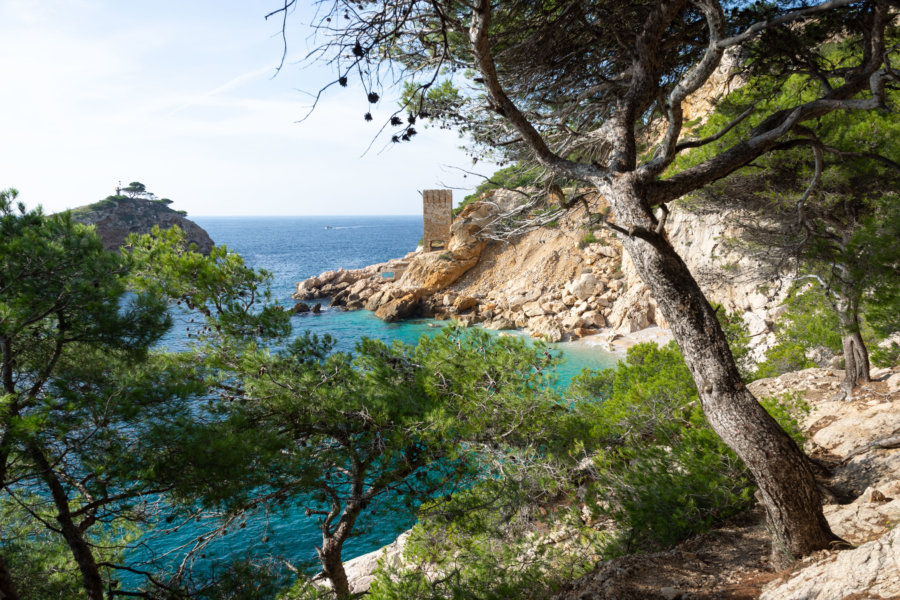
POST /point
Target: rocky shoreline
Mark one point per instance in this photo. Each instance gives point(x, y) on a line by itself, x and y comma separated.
point(556, 288)
point(558, 284)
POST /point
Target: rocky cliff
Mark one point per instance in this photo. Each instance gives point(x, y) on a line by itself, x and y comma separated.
point(556, 283)
point(117, 216)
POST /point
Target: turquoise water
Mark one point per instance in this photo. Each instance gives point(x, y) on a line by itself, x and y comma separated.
point(292, 249)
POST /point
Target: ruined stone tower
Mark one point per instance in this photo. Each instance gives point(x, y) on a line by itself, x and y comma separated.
point(437, 209)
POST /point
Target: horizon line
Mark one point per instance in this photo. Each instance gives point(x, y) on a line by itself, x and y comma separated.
point(189, 216)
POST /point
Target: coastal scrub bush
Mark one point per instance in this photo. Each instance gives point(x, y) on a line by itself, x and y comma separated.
point(885, 356)
point(515, 535)
point(587, 239)
point(808, 322)
point(662, 473)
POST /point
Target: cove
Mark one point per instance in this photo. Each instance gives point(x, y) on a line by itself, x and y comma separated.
point(292, 249)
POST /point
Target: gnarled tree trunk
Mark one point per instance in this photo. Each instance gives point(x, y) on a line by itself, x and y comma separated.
point(332, 545)
point(856, 356)
point(780, 468)
point(333, 567)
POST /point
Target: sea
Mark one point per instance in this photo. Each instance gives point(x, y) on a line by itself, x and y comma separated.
point(292, 249)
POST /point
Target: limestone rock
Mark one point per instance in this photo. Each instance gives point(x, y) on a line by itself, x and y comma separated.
point(893, 382)
point(592, 318)
point(853, 430)
point(632, 311)
point(869, 571)
point(546, 328)
point(865, 517)
point(501, 323)
point(584, 287)
point(464, 303)
point(301, 307)
point(399, 308)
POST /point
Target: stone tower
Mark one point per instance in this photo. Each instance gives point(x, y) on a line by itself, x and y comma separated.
point(437, 209)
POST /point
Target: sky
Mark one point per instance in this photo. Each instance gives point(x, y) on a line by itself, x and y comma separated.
point(183, 96)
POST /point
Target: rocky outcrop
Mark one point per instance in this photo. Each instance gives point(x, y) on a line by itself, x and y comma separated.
point(861, 439)
point(870, 571)
point(118, 216)
point(395, 290)
point(555, 283)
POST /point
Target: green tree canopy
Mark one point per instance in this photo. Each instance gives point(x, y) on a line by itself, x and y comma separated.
point(596, 92)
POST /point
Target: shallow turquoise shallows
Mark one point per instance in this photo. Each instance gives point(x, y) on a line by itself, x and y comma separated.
point(292, 249)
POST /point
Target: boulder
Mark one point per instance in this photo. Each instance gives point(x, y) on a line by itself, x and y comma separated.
point(607, 251)
point(501, 323)
point(865, 517)
point(399, 308)
point(317, 308)
point(301, 307)
point(546, 328)
point(869, 571)
point(893, 382)
point(852, 431)
point(464, 303)
point(592, 318)
point(533, 309)
point(584, 287)
point(376, 300)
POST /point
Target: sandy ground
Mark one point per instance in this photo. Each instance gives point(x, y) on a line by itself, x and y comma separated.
point(619, 344)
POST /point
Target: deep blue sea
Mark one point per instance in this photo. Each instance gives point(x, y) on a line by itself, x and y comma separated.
point(292, 249)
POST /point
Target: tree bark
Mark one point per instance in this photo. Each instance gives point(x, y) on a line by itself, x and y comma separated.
point(332, 545)
point(856, 361)
point(81, 550)
point(333, 567)
point(780, 468)
point(7, 586)
point(856, 356)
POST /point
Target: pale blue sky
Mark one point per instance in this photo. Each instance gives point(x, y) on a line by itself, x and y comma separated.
point(179, 94)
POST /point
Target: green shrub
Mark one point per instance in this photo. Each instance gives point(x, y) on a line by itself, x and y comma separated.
point(512, 177)
point(885, 356)
point(483, 543)
point(663, 473)
point(785, 357)
point(587, 239)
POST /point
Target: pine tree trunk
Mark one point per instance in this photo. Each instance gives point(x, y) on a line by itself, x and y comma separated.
point(7, 587)
point(78, 545)
point(333, 543)
point(780, 468)
point(856, 356)
point(333, 568)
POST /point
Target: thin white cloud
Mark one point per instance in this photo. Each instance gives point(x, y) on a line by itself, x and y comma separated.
point(120, 91)
point(233, 83)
